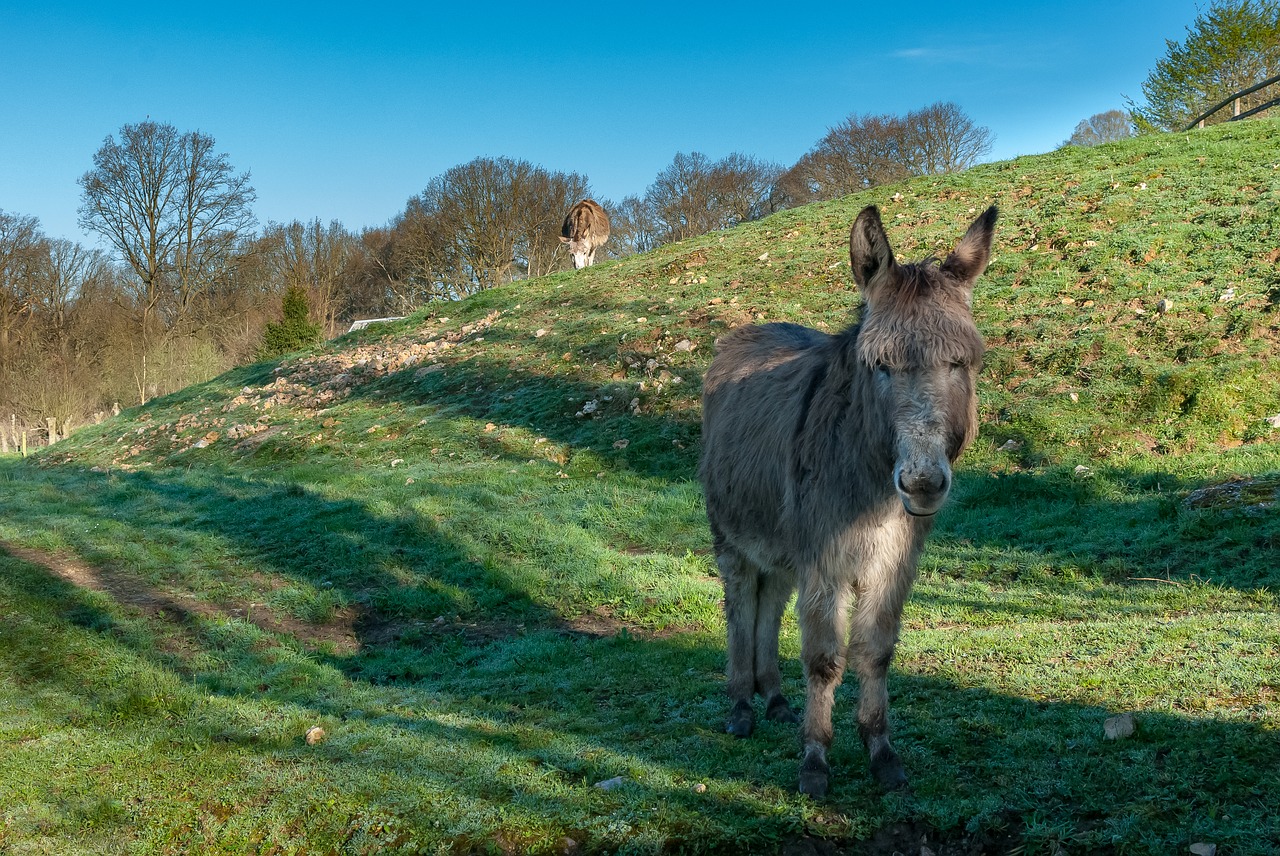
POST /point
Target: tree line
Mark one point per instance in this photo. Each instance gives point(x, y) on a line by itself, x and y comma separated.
point(190, 284)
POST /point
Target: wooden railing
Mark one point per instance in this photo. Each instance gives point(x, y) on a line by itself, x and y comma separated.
point(1198, 122)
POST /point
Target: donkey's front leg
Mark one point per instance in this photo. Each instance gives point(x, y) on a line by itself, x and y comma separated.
point(822, 613)
point(874, 635)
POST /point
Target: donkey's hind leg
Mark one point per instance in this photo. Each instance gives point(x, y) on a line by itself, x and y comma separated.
point(773, 593)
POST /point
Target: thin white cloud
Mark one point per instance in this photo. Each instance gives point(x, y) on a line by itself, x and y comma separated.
point(939, 55)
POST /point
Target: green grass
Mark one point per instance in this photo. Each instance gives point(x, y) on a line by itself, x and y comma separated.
point(411, 538)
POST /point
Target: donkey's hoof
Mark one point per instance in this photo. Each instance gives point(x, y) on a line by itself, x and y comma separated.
point(815, 777)
point(887, 769)
point(813, 783)
point(742, 720)
point(779, 710)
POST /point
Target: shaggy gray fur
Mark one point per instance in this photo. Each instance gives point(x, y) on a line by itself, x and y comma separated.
point(824, 460)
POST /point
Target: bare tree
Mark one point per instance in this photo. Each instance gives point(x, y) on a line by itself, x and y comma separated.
point(1102, 128)
point(479, 224)
point(633, 228)
point(871, 150)
point(67, 270)
point(860, 152)
point(547, 198)
point(22, 246)
point(694, 195)
point(172, 208)
point(940, 139)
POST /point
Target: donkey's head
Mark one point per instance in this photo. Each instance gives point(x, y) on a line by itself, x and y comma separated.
point(580, 250)
point(919, 341)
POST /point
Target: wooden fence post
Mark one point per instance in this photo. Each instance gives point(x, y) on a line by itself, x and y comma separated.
point(52, 422)
point(24, 442)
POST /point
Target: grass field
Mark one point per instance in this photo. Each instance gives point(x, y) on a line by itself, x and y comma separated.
point(469, 546)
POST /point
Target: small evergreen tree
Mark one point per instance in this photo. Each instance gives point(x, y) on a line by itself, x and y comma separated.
point(294, 332)
point(1229, 47)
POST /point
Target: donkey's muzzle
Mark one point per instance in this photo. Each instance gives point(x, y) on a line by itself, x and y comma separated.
point(922, 490)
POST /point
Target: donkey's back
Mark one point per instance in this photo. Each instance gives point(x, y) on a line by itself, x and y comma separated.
point(760, 407)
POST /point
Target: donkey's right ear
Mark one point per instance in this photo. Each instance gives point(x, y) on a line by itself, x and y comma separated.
point(869, 250)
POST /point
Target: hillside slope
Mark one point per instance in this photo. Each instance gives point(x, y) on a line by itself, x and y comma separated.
point(469, 546)
point(1130, 306)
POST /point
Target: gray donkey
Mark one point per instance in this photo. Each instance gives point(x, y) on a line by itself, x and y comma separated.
point(824, 460)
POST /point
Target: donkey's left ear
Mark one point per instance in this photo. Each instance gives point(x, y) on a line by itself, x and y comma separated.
point(969, 259)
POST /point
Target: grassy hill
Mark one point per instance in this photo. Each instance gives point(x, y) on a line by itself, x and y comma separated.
point(470, 548)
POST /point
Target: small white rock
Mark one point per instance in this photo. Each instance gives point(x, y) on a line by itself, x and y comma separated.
point(315, 734)
point(1118, 727)
point(611, 784)
point(1204, 848)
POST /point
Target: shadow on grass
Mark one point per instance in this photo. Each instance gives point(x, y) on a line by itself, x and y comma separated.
point(507, 725)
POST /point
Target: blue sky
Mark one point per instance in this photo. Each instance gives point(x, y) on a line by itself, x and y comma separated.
point(344, 111)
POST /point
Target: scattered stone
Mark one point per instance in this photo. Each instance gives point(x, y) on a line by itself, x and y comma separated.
point(1083, 472)
point(684, 345)
point(1204, 848)
point(1165, 305)
point(1274, 421)
point(1074, 396)
point(700, 788)
point(1011, 446)
point(396, 462)
point(763, 256)
point(1227, 296)
point(1118, 727)
point(611, 784)
point(539, 333)
point(621, 444)
point(315, 734)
